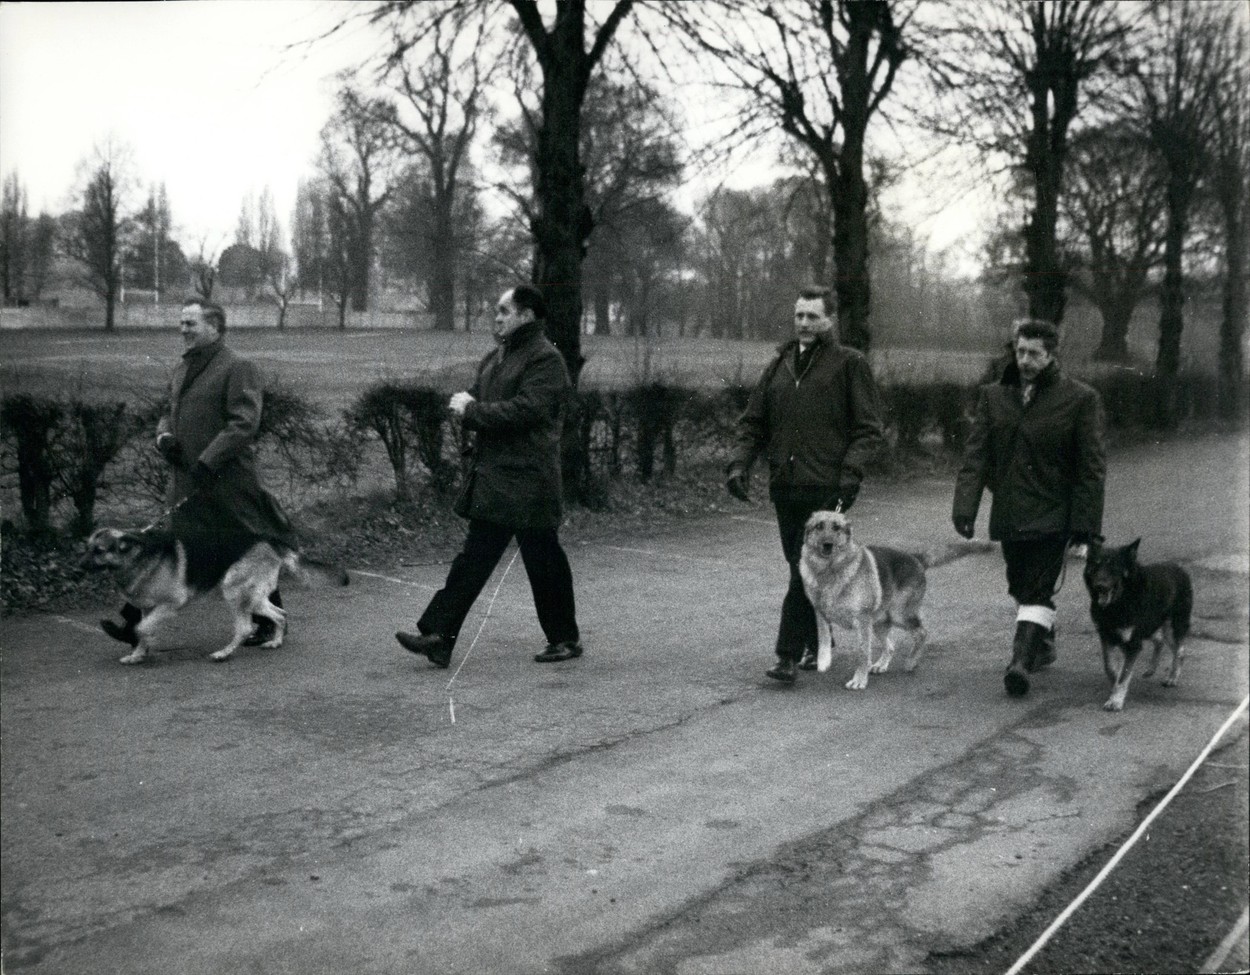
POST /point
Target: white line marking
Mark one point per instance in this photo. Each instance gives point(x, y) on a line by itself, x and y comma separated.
point(664, 555)
point(76, 624)
point(1128, 845)
point(398, 582)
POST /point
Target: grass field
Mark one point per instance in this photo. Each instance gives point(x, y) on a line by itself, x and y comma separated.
point(332, 367)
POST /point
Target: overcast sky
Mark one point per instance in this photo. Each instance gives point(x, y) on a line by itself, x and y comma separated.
point(204, 93)
point(213, 102)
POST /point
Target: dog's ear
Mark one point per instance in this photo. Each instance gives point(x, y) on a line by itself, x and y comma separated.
point(1130, 550)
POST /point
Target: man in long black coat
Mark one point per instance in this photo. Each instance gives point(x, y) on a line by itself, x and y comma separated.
point(515, 407)
point(1037, 444)
point(220, 509)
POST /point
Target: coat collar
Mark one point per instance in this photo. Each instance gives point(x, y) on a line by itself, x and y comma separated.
point(1046, 378)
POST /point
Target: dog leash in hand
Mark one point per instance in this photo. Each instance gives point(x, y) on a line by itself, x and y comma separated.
point(166, 514)
point(451, 703)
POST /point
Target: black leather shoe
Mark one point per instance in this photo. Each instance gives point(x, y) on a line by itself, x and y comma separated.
point(555, 652)
point(809, 660)
point(432, 645)
point(121, 633)
point(784, 672)
point(264, 632)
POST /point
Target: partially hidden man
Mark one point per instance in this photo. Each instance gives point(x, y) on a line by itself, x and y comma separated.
point(1037, 444)
point(815, 415)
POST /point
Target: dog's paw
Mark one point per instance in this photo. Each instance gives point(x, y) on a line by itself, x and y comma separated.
point(880, 667)
point(221, 655)
point(1113, 705)
point(1170, 681)
point(138, 657)
point(857, 683)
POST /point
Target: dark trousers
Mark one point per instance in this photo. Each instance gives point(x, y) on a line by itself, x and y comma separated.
point(1033, 568)
point(797, 629)
point(551, 580)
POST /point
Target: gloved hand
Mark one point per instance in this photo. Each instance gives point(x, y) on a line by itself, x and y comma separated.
point(847, 493)
point(171, 449)
point(203, 478)
point(1084, 538)
point(964, 526)
point(737, 486)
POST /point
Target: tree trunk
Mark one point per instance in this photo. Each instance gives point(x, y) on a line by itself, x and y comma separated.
point(1171, 307)
point(1232, 380)
point(443, 273)
point(1117, 311)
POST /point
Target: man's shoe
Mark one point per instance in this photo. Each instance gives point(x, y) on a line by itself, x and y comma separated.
point(437, 648)
point(809, 660)
point(555, 652)
point(263, 633)
point(784, 672)
point(121, 633)
point(1044, 653)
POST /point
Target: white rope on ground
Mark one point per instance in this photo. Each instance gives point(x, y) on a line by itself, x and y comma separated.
point(451, 704)
point(1216, 962)
point(1128, 845)
point(398, 582)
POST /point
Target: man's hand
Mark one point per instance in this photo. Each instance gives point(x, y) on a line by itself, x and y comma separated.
point(1084, 538)
point(964, 526)
point(736, 484)
point(171, 449)
point(459, 402)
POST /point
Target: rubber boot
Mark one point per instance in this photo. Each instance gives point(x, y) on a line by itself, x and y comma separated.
point(1044, 653)
point(1029, 636)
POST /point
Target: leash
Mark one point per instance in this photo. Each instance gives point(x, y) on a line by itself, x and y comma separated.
point(168, 513)
point(451, 703)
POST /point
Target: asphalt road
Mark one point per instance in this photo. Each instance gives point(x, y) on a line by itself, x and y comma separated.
point(650, 807)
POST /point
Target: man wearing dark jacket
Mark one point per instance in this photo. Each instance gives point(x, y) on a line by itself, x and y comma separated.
point(515, 407)
point(1037, 444)
point(815, 413)
point(207, 437)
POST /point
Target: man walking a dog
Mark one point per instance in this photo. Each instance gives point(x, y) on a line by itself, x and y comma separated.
point(815, 413)
point(515, 407)
point(1037, 444)
point(207, 438)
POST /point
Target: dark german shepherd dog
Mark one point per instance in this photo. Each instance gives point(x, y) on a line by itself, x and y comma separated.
point(1129, 603)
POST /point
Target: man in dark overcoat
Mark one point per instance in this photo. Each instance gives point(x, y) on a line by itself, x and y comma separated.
point(220, 508)
point(816, 414)
point(515, 408)
point(1037, 444)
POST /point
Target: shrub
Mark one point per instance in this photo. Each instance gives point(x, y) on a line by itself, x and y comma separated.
point(408, 419)
point(30, 422)
point(89, 438)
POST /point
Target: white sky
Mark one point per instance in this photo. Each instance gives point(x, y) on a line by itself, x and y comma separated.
point(202, 92)
point(211, 102)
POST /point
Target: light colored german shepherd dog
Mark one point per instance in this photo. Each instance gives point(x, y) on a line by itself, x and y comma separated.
point(159, 574)
point(871, 589)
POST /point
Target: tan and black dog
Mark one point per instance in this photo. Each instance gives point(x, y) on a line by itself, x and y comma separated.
point(160, 574)
point(1129, 603)
point(871, 589)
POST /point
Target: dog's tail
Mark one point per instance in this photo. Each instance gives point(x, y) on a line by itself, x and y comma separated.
point(311, 572)
point(941, 555)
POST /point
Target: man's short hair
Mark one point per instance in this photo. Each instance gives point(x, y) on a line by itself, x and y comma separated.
point(824, 294)
point(530, 298)
point(212, 312)
point(1036, 328)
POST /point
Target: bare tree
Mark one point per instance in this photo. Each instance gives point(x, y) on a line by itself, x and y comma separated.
point(97, 235)
point(1230, 186)
point(440, 77)
point(1178, 83)
point(1014, 79)
point(819, 70)
point(308, 237)
point(1114, 204)
point(25, 246)
point(357, 162)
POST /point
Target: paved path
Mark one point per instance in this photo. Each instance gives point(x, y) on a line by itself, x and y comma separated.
point(315, 809)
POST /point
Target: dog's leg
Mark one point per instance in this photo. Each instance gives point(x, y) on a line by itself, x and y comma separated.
point(242, 627)
point(918, 638)
point(275, 613)
point(859, 680)
point(1178, 654)
point(1113, 673)
point(144, 628)
point(824, 642)
point(1156, 643)
point(1131, 651)
point(881, 635)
